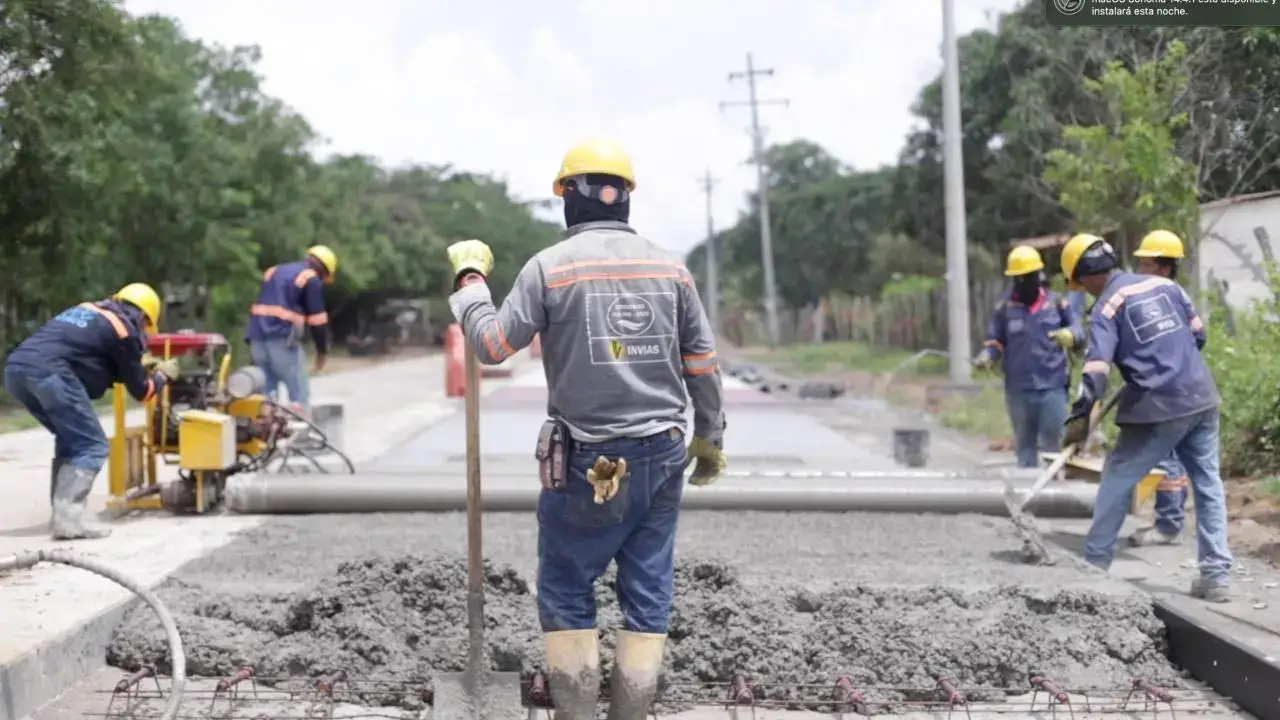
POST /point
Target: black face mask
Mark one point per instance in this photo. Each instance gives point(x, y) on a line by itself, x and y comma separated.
point(1026, 288)
point(584, 200)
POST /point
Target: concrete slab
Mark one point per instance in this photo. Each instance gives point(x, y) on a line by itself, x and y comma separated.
point(762, 432)
point(57, 620)
point(457, 694)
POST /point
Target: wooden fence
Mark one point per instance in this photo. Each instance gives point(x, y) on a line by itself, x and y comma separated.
point(905, 322)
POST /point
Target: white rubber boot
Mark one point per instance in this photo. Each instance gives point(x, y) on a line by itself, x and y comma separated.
point(71, 488)
point(636, 665)
point(573, 662)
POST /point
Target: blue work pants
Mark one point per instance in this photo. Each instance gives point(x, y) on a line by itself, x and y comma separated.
point(1194, 440)
point(283, 361)
point(1037, 417)
point(58, 401)
point(577, 539)
point(1171, 504)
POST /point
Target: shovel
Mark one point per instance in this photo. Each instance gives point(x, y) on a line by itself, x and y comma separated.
point(1034, 550)
point(477, 693)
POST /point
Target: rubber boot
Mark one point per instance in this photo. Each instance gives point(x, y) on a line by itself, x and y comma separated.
point(573, 658)
point(53, 475)
point(70, 494)
point(636, 666)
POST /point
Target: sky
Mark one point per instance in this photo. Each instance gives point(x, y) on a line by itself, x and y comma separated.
point(507, 92)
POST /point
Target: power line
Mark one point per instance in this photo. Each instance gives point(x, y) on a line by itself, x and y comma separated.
point(713, 288)
point(757, 146)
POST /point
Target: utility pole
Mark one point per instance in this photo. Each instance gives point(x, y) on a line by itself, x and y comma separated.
point(953, 159)
point(766, 229)
point(713, 287)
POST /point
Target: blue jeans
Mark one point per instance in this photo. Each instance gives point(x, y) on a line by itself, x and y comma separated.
point(57, 400)
point(1037, 417)
point(1194, 440)
point(1171, 505)
point(577, 539)
point(283, 361)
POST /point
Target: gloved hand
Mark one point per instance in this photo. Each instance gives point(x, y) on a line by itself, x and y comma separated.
point(1064, 338)
point(470, 256)
point(605, 477)
point(1077, 424)
point(149, 361)
point(168, 368)
point(984, 361)
point(711, 462)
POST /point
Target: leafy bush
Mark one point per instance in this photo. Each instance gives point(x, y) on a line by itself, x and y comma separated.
point(1248, 375)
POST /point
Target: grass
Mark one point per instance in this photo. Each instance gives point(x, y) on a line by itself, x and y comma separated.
point(846, 355)
point(13, 417)
point(982, 414)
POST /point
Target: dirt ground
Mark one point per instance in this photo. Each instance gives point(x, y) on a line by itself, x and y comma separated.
point(1253, 505)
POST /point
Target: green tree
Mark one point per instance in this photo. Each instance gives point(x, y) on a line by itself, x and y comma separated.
point(1124, 174)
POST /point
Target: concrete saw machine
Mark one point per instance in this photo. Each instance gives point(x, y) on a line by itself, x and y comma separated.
point(212, 423)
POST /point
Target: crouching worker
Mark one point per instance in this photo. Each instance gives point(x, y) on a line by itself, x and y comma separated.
point(624, 338)
point(1158, 254)
point(1148, 326)
point(59, 371)
point(1031, 330)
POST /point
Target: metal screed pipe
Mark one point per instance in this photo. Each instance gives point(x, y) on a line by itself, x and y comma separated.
point(369, 493)
point(28, 560)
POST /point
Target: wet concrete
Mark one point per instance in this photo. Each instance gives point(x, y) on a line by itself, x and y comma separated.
point(787, 600)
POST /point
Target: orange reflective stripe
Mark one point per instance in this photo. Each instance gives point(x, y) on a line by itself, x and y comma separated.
point(1169, 484)
point(1097, 366)
point(1112, 307)
point(700, 364)
point(151, 389)
point(501, 350)
point(305, 277)
point(318, 319)
point(278, 312)
point(561, 269)
point(271, 271)
point(620, 276)
point(122, 330)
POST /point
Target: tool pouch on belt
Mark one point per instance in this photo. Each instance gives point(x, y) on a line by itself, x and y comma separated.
point(552, 452)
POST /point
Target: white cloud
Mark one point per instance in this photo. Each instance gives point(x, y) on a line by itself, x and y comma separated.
point(507, 92)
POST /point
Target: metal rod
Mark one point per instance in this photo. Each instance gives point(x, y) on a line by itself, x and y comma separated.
point(475, 545)
point(292, 494)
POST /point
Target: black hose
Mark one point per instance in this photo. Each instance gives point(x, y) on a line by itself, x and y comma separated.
point(29, 560)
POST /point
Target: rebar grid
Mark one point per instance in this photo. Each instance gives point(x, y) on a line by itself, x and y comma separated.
point(243, 696)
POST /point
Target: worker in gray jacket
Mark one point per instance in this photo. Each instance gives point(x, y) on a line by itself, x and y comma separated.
point(625, 346)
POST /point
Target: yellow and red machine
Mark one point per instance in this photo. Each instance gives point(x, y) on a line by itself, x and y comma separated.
point(209, 421)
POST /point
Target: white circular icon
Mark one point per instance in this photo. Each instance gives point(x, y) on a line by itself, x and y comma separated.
point(629, 316)
point(1068, 7)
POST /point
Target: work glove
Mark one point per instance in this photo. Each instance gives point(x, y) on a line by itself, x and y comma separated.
point(1064, 338)
point(711, 462)
point(1077, 425)
point(149, 361)
point(605, 477)
point(984, 361)
point(168, 368)
point(470, 256)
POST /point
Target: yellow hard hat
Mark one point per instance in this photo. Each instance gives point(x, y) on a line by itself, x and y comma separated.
point(1075, 248)
point(597, 155)
point(1161, 244)
point(327, 258)
point(145, 298)
point(1023, 260)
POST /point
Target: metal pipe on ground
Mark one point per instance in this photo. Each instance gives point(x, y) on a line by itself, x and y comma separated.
point(289, 494)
